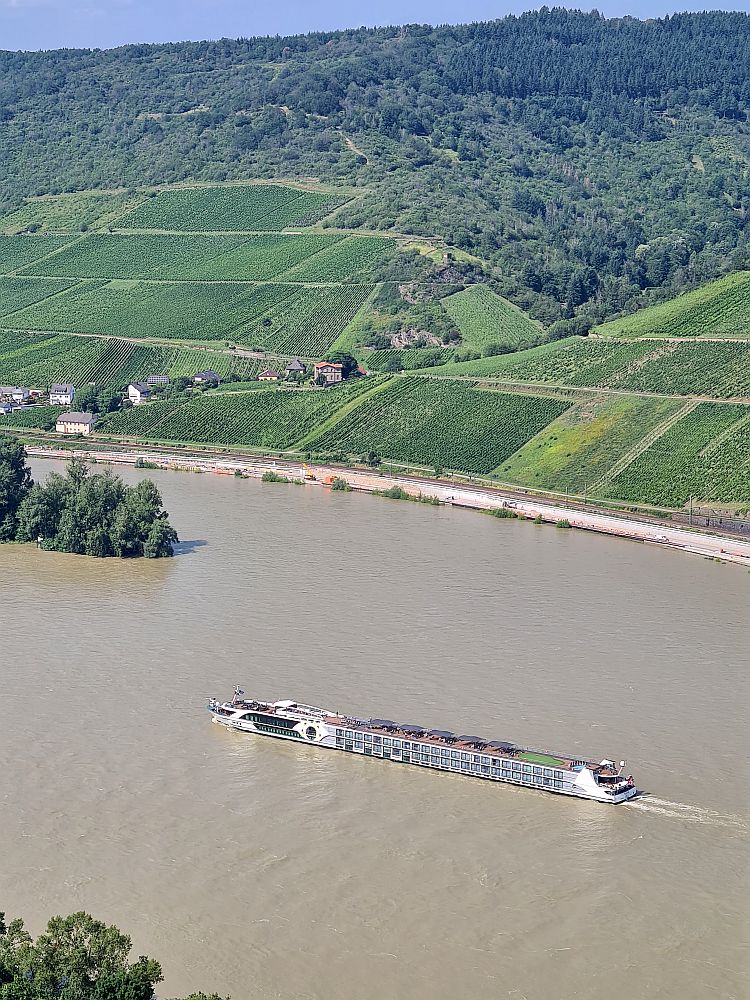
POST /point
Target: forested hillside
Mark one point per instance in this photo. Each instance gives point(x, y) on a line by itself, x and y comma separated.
point(597, 165)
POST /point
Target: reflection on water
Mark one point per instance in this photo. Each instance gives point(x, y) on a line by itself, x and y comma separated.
point(258, 868)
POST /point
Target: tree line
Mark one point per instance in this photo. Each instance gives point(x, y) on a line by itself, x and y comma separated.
point(597, 164)
point(76, 958)
point(93, 514)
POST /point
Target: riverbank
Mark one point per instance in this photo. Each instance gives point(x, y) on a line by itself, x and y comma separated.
point(724, 548)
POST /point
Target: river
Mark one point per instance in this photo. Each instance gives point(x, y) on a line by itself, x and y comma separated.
point(264, 870)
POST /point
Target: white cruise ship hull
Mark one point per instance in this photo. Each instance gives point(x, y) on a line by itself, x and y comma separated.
point(304, 724)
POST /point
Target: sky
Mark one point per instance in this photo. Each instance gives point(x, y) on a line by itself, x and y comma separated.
point(46, 24)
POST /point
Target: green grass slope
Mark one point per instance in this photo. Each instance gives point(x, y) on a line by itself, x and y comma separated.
point(718, 309)
point(484, 318)
point(574, 451)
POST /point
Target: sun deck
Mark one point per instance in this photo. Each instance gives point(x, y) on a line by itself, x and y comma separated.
point(443, 738)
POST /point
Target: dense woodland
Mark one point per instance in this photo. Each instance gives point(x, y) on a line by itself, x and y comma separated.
point(595, 164)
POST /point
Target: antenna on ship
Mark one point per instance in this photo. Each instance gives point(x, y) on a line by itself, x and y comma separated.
point(622, 766)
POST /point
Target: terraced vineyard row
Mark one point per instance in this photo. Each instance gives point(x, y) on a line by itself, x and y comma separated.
point(17, 251)
point(308, 322)
point(409, 358)
point(351, 259)
point(16, 293)
point(39, 361)
point(270, 418)
point(181, 311)
point(435, 423)
point(687, 461)
point(42, 417)
point(483, 318)
point(689, 368)
point(719, 309)
point(246, 207)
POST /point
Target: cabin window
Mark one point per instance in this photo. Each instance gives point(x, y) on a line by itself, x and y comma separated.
point(547, 772)
point(339, 732)
point(537, 770)
point(339, 742)
point(377, 739)
point(349, 734)
point(397, 743)
point(349, 745)
point(464, 756)
point(368, 738)
point(485, 768)
point(527, 767)
point(558, 775)
point(516, 766)
point(386, 741)
point(368, 750)
point(558, 784)
point(527, 777)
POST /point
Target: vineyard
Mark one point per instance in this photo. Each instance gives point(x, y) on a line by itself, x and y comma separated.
point(265, 418)
point(183, 310)
point(351, 259)
point(235, 208)
point(682, 368)
point(309, 321)
point(718, 309)
point(18, 251)
point(70, 212)
point(41, 417)
point(16, 293)
point(705, 455)
point(578, 448)
point(434, 423)
point(410, 359)
point(39, 361)
point(483, 318)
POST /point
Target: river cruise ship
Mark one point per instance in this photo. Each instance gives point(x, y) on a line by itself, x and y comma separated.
point(436, 749)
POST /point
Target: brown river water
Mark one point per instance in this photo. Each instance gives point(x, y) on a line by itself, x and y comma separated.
point(265, 870)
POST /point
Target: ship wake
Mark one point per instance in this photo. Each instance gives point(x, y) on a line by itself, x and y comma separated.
point(688, 813)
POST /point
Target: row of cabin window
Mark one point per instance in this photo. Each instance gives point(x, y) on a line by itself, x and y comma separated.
point(527, 774)
point(422, 748)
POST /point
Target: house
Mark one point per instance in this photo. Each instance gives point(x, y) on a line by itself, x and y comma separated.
point(61, 394)
point(75, 423)
point(157, 380)
point(138, 392)
point(295, 368)
point(5, 408)
point(15, 393)
point(328, 372)
point(269, 375)
point(206, 378)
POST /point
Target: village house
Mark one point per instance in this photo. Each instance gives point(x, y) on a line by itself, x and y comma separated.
point(328, 372)
point(75, 423)
point(295, 368)
point(206, 378)
point(61, 394)
point(138, 392)
point(157, 380)
point(14, 392)
point(5, 409)
point(269, 375)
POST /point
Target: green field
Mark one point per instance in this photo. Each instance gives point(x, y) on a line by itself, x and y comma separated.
point(705, 455)
point(231, 208)
point(271, 418)
point(484, 318)
point(433, 423)
point(718, 309)
point(353, 258)
point(70, 212)
point(410, 359)
point(574, 451)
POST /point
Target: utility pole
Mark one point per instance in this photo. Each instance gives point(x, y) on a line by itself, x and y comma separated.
point(691, 509)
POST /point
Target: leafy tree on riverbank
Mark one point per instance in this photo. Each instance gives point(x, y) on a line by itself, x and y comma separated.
point(76, 958)
point(80, 512)
point(15, 483)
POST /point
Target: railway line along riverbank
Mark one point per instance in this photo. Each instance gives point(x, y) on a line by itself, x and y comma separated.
point(645, 529)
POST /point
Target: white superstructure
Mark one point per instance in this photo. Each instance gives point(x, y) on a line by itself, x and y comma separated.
point(436, 749)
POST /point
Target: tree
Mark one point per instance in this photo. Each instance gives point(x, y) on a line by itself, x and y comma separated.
point(15, 483)
point(76, 958)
